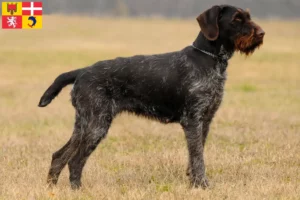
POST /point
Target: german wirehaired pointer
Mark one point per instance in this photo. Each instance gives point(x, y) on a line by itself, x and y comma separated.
point(183, 87)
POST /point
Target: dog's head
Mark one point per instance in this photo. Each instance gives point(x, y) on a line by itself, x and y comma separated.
point(231, 25)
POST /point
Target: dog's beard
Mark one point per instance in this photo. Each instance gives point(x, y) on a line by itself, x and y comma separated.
point(247, 44)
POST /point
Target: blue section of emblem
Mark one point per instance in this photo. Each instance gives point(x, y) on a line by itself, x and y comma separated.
point(33, 19)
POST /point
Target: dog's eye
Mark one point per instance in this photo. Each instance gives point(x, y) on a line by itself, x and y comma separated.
point(248, 16)
point(220, 16)
point(238, 19)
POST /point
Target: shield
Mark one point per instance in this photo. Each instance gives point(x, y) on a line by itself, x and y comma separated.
point(11, 7)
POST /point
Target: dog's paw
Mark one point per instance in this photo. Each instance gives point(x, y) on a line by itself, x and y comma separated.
point(200, 182)
point(75, 185)
point(204, 183)
point(51, 182)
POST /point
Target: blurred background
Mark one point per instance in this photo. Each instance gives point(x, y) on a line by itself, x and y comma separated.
point(169, 8)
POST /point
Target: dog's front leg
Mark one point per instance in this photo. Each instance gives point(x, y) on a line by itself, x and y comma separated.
point(194, 135)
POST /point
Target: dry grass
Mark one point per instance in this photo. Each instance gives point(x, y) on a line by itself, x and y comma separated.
point(253, 150)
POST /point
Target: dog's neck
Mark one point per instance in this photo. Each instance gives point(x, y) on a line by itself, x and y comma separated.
point(218, 47)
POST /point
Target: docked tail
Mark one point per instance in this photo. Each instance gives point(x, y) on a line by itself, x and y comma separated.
point(60, 82)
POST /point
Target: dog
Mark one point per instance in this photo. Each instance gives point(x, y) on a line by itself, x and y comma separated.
point(184, 87)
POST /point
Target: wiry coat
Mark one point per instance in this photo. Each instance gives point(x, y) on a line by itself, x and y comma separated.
point(165, 87)
point(184, 87)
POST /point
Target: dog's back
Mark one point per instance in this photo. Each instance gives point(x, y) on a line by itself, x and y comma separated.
point(152, 86)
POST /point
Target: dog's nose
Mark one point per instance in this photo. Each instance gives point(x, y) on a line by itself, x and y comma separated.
point(260, 33)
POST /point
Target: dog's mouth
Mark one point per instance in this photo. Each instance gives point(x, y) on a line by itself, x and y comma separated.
point(250, 49)
point(247, 44)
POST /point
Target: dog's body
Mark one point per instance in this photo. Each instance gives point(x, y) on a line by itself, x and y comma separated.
point(163, 86)
point(184, 87)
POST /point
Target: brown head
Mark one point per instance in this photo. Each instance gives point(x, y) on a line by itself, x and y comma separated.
point(233, 27)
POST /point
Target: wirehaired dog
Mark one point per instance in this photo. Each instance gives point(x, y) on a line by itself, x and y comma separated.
point(183, 87)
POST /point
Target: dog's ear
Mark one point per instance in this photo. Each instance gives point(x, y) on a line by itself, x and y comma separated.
point(208, 22)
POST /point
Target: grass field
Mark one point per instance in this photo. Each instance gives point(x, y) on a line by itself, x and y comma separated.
point(253, 149)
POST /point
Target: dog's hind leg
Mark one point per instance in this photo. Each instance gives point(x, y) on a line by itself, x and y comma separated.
point(95, 132)
point(62, 156)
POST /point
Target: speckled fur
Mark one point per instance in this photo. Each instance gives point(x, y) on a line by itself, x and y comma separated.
point(183, 87)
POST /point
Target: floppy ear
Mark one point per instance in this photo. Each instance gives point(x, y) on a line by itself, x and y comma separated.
point(208, 22)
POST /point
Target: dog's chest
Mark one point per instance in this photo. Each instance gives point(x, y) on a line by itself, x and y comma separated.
point(219, 76)
point(217, 82)
point(218, 85)
point(209, 88)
